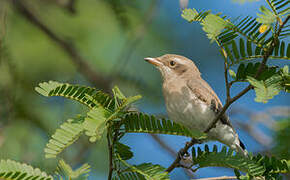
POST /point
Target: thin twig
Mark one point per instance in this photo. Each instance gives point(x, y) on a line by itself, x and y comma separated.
point(228, 92)
point(167, 148)
point(163, 145)
point(249, 87)
point(228, 85)
point(110, 147)
point(218, 178)
point(181, 153)
point(231, 100)
point(272, 7)
point(82, 65)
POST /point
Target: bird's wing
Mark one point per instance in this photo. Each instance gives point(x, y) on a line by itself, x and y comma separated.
point(205, 93)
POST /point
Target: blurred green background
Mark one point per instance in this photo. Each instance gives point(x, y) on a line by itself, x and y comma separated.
point(102, 43)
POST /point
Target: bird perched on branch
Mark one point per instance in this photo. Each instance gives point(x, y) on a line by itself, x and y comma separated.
point(191, 102)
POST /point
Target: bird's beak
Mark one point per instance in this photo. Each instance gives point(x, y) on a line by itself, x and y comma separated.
point(153, 61)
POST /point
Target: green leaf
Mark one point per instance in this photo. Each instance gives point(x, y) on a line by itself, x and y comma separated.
point(213, 25)
point(117, 92)
point(67, 134)
point(235, 50)
point(151, 171)
point(147, 170)
point(232, 73)
point(279, 51)
point(12, 170)
point(77, 93)
point(282, 47)
point(192, 15)
point(249, 48)
point(266, 89)
point(285, 79)
point(229, 54)
point(124, 151)
point(241, 72)
point(189, 14)
point(95, 123)
point(143, 123)
point(242, 48)
point(266, 16)
point(251, 69)
point(225, 158)
point(285, 69)
point(65, 171)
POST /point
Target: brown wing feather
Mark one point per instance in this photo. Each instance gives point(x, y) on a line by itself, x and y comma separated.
point(205, 93)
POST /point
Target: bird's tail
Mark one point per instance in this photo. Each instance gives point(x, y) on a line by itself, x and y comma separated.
point(241, 148)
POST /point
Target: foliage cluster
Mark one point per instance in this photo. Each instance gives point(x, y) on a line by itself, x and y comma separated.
point(111, 116)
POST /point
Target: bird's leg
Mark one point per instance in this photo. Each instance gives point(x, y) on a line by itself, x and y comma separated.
point(183, 154)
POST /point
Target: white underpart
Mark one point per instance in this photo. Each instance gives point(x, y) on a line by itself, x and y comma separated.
point(196, 115)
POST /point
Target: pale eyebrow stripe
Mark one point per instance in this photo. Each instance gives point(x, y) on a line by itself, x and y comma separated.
point(178, 60)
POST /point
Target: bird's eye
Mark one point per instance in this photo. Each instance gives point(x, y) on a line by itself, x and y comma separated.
point(172, 63)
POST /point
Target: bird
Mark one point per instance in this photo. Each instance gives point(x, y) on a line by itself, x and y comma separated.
point(191, 102)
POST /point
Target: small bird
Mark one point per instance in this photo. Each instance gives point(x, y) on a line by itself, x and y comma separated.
point(191, 102)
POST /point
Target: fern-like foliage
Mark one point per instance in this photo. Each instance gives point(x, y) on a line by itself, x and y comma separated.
point(225, 158)
point(65, 172)
point(251, 41)
point(250, 69)
point(281, 51)
point(76, 92)
point(270, 82)
point(192, 15)
point(67, 134)
point(239, 51)
point(146, 171)
point(143, 123)
point(95, 123)
point(123, 151)
point(150, 171)
point(271, 85)
point(254, 166)
point(128, 175)
point(12, 170)
point(280, 6)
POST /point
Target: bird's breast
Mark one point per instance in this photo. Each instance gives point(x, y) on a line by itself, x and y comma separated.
point(184, 107)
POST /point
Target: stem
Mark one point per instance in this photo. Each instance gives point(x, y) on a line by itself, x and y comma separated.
point(272, 7)
point(181, 153)
point(110, 147)
point(231, 100)
point(249, 87)
point(227, 81)
point(228, 93)
point(111, 142)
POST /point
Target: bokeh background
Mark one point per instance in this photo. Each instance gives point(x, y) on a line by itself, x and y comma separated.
point(102, 43)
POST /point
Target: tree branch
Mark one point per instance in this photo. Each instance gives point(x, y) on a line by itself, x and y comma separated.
point(181, 153)
point(81, 64)
point(110, 147)
point(231, 100)
point(249, 87)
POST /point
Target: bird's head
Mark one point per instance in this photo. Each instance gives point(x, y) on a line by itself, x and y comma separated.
point(174, 66)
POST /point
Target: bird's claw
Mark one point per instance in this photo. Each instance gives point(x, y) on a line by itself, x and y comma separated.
point(183, 155)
